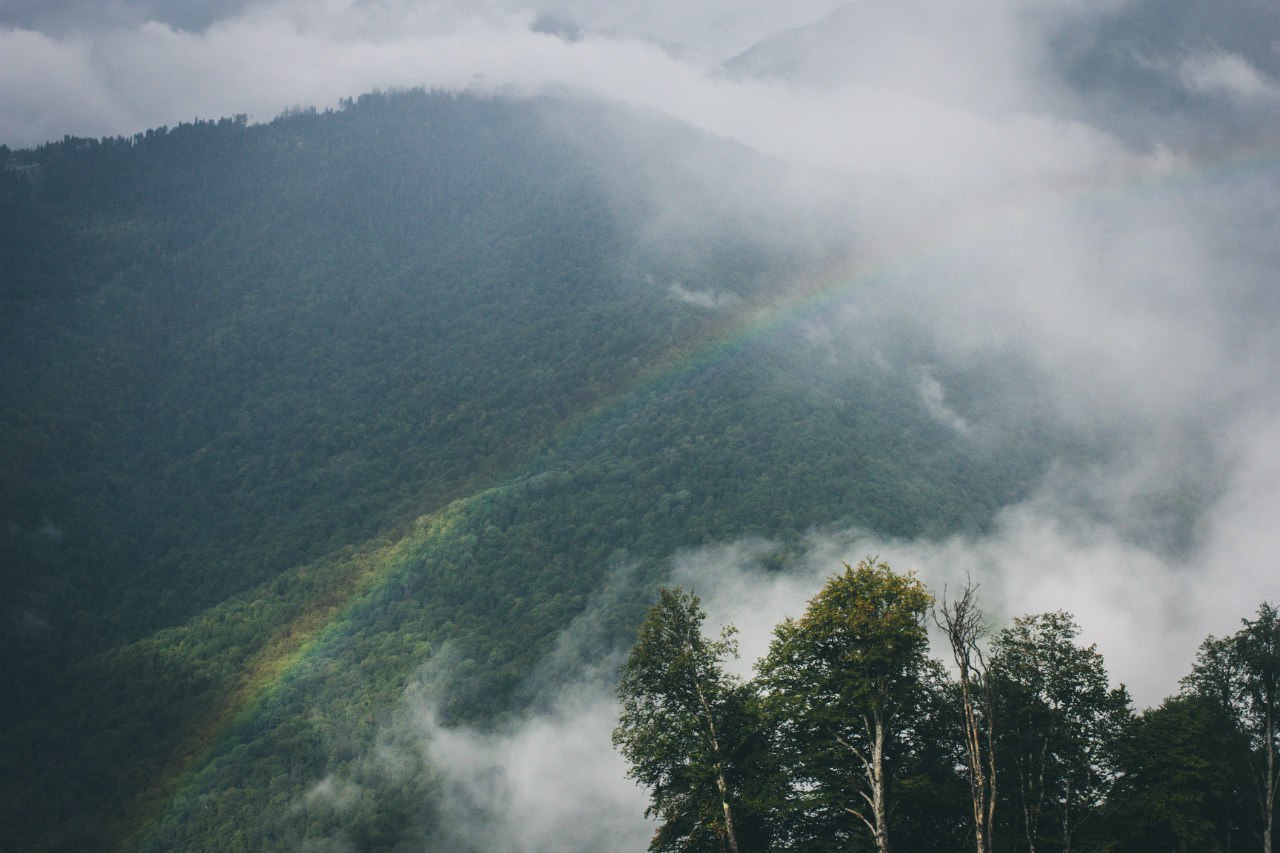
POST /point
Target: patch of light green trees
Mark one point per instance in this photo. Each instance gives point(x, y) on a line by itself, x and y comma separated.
point(852, 737)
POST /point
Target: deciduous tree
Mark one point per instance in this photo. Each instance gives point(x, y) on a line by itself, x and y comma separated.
point(1179, 788)
point(1059, 723)
point(842, 680)
point(682, 724)
point(962, 623)
point(1241, 674)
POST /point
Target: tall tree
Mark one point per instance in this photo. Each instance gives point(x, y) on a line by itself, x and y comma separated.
point(962, 623)
point(930, 794)
point(1179, 788)
point(840, 679)
point(1059, 723)
point(680, 725)
point(1241, 674)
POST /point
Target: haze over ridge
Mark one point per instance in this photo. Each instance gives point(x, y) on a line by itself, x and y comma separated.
point(1139, 316)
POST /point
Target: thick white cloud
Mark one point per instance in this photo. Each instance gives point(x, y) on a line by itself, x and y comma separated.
point(1147, 612)
point(551, 781)
point(1012, 221)
point(123, 76)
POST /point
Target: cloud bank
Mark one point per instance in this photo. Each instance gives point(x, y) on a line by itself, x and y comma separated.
point(550, 782)
point(1146, 612)
point(997, 162)
point(115, 69)
point(1088, 189)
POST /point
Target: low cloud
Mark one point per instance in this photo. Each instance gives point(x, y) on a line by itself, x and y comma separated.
point(326, 845)
point(993, 207)
point(1227, 74)
point(551, 781)
point(702, 298)
point(1147, 611)
point(934, 399)
point(121, 74)
point(548, 779)
point(334, 793)
point(1007, 224)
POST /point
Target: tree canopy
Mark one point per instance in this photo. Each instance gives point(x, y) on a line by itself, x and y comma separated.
point(839, 680)
point(873, 745)
point(682, 727)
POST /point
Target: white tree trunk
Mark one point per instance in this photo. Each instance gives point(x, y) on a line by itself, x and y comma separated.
point(721, 783)
point(879, 806)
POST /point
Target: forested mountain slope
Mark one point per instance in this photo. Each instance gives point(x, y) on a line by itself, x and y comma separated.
point(290, 410)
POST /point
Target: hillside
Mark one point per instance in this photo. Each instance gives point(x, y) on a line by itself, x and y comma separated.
point(292, 410)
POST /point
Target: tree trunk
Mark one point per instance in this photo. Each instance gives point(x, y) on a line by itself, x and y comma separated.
point(728, 813)
point(991, 767)
point(1268, 812)
point(963, 624)
point(721, 783)
point(1066, 819)
point(1031, 782)
point(878, 805)
point(875, 795)
point(982, 769)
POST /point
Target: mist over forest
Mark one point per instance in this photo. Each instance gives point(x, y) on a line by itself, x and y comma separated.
point(367, 368)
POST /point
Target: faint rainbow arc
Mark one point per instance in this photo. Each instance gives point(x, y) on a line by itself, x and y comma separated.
point(316, 629)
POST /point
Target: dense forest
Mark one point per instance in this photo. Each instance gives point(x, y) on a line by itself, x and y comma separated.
point(293, 410)
point(850, 737)
point(376, 476)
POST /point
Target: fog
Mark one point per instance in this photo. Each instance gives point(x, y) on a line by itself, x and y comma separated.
point(551, 781)
point(1089, 189)
point(98, 69)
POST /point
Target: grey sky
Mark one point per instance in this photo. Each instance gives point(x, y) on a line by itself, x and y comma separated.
point(1094, 182)
point(94, 69)
point(1095, 175)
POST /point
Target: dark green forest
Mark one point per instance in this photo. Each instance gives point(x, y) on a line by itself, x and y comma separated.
point(289, 411)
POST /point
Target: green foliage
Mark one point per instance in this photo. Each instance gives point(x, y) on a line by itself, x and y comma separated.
point(790, 753)
point(1180, 787)
point(843, 683)
point(1240, 676)
point(865, 628)
point(1057, 722)
point(929, 793)
point(241, 362)
point(1076, 770)
point(687, 727)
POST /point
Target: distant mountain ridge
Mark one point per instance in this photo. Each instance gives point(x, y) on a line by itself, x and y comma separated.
point(1174, 65)
point(291, 410)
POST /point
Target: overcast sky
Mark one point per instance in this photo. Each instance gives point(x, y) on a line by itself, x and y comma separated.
point(1097, 178)
point(104, 68)
point(1094, 182)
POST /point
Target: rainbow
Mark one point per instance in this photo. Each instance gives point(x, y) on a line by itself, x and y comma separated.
point(322, 625)
point(332, 616)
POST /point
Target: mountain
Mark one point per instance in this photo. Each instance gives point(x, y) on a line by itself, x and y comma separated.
point(292, 411)
point(1151, 72)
